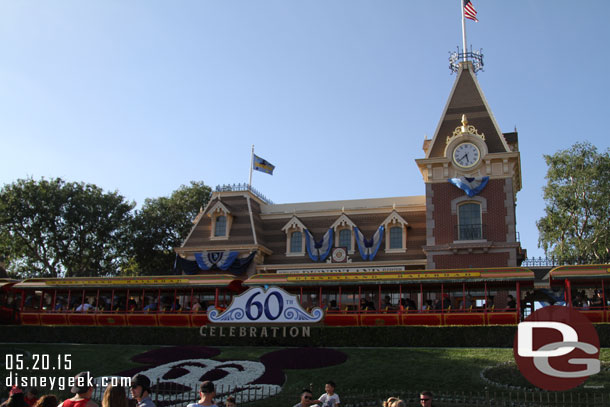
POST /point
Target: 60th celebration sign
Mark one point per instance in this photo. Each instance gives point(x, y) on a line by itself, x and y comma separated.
point(271, 306)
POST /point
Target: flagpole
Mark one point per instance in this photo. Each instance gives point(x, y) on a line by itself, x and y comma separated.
point(251, 165)
point(463, 30)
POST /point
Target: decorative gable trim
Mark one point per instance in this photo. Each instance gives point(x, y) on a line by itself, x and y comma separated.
point(218, 207)
point(294, 223)
point(342, 221)
point(394, 218)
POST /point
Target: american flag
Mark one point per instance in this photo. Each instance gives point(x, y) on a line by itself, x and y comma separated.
point(469, 11)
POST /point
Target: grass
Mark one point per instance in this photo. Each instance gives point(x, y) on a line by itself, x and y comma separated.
point(387, 370)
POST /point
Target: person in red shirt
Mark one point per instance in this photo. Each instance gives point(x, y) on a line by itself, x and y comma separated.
point(83, 390)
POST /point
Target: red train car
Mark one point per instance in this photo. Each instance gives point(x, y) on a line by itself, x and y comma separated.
point(413, 297)
point(123, 301)
point(586, 288)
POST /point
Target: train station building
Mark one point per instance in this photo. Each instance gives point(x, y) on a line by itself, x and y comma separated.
point(472, 173)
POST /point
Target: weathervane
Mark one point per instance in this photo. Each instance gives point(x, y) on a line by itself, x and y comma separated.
point(467, 11)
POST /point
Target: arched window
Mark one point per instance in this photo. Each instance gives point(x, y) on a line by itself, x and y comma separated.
point(396, 237)
point(296, 242)
point(345, 238)
point(469, 221)
point(220, 229)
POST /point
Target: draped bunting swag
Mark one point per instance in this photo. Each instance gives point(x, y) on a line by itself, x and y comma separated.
point(223, 260)
point(226, 261)
point(472, 186)
point(319, 251)
point(368, 248)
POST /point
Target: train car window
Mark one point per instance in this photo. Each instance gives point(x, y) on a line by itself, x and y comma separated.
point(330, 298)
point(349, 298)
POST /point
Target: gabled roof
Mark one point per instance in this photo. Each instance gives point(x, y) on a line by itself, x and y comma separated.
point(467, 98)
point(394, 217)
point(294, 222)
point(342, 220)
point(218, 207)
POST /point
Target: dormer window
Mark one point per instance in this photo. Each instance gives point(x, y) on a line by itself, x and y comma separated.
point(396, 237)
point(221, 221)
point(345, 238)
point(295, 240)
point(343, 229)
point(395, 233)
point(220, 228)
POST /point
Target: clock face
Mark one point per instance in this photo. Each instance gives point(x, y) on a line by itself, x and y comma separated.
point(466, 155)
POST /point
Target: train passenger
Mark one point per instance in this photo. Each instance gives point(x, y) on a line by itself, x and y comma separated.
point(511, 303)
point(196, 305)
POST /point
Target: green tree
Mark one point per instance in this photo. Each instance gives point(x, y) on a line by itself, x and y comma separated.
point(162, 224)
point(576, 228)
point(54, 228)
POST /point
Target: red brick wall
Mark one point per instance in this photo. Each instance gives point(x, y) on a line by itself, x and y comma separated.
point(494, 221)
point(448, 261)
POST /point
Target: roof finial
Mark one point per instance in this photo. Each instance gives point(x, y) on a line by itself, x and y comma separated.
point(464, 123)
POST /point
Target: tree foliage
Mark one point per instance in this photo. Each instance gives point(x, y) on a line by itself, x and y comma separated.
point(53, 228)
point(576, 227)
point(162, 224)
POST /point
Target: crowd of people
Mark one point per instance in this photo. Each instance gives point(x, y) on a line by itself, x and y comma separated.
point(140, 389)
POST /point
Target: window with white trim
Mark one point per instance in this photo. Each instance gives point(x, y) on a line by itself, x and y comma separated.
point(220, 226)
point(295, 237)
point(296, 242)
point(469, 221)
point(396, 237)
point(221, 221)
point(345, 238)
point(395, 233)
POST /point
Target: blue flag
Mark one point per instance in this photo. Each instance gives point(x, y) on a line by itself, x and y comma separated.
point(262, 165)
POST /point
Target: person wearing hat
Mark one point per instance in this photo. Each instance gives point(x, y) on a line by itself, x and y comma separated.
point(140, 390)
point(207, 394)
point(83, 390)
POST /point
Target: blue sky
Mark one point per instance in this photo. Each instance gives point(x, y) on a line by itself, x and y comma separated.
point(143, 96)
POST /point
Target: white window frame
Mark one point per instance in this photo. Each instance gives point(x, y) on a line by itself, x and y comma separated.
point(343, 222)
point(294, 225)
point(219, 209)
point(394, 220)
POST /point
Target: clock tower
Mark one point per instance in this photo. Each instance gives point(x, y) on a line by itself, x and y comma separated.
point(472, 173)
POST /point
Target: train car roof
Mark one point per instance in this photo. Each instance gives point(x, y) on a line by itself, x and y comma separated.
point(6, 283)
point(394, 277)
point(212, 280)
point(583, 271)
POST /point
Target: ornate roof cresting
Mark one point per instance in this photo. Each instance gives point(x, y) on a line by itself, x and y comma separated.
point(464, 129)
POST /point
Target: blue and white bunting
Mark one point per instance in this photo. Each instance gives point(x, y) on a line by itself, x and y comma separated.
point(223, 260)
point(472, 186)
point(368, 248)
point(319, 251)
